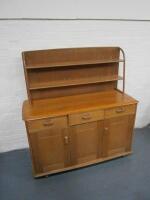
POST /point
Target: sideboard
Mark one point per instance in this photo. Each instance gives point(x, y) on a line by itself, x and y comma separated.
point(75, 114)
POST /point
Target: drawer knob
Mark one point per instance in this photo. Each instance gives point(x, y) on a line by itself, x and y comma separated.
point(106, 128)
point(48, 123)
point(86, 117)
point(119, 110)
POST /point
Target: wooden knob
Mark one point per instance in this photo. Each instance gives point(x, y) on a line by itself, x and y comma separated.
point(48, 123)
point(119, 110)
point(106, 128)
point(66, 141)
point(86, 116)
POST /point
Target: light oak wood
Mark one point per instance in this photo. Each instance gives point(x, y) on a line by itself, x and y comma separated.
point(71, 76)
point(50, 149)
point(117, 134)
point(86, 142)
point(75, 115)
point(120, 110)
point(47, 72)
point(47, 123)
point(75, 104)
point(81, 118)
point(93, 162)
point(73, 83)
point(70, 90)
point(71, 56)
point(73, 63)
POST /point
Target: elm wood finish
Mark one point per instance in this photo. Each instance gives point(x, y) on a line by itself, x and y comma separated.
point(97, 161)
point(60, 106)
point(75, 82)
point(80, 128)
point(50, 145)
point(47, 78)
point(79, 70)
point(71, 90)
point(117, 135)
point(76, 116)
point(73, 63)
point(86, 142)
point(70, 56)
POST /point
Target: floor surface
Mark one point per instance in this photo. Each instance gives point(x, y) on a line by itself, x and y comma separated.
point(126, 178)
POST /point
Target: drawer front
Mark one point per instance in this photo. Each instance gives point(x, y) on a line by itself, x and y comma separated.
point(119, 111)
point(48, 123)
point(81, 118)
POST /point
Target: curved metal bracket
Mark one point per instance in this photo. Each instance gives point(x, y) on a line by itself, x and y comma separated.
point(124, 70)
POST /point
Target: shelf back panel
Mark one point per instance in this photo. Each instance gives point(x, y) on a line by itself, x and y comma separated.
point(60, 57)
point(72, 90)
point(71, 75)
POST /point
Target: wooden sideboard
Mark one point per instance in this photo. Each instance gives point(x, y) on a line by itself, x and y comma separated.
point(75, 114)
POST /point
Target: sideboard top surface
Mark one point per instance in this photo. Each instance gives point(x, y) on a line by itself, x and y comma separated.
point(53, 107)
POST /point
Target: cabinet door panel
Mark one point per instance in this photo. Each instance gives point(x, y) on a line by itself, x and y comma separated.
point(118, 135)
point(50, 150)
point(86, 142)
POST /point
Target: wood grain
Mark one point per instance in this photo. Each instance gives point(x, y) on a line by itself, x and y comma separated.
point(47, 72)
point(75, 116)
point(74, 104)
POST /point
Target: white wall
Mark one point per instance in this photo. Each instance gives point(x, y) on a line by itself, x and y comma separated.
point(16, 36)
point(20, 35)
point(103, 9)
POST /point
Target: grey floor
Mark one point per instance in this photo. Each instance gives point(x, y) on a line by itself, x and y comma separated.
point(125, 178)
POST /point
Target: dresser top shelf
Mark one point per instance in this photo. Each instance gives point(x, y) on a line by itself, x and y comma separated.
point(70, 57)
point(72, 63)
point(64, 83)
point(53, 73)
point(73, 104)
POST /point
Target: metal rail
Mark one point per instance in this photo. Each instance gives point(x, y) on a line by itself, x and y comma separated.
point(124, 69)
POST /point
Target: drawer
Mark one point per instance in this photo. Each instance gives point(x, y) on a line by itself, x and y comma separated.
point(121, 110)
point(48, 123)
point(81, 118)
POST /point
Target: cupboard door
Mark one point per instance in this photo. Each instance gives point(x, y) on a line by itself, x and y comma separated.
point(50, 149)
point(86, 142)
point(118, 135)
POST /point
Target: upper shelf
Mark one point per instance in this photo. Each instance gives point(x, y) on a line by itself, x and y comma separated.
point(72, 63)
point(54, 84)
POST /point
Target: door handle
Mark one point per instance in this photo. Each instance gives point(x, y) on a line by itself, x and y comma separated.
point(106, 130)
point(66, 140)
